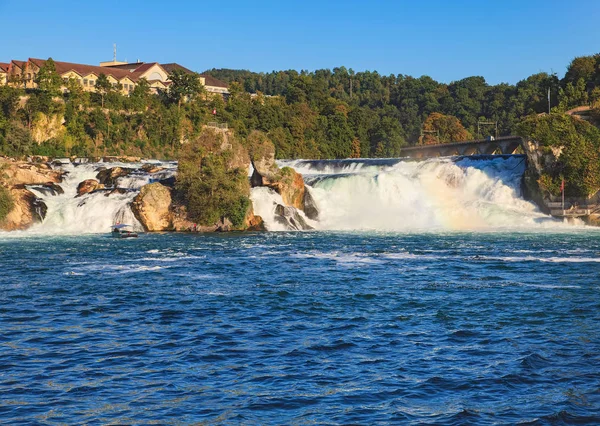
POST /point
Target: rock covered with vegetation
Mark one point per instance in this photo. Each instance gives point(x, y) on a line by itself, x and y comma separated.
point(212, 182)
point(561, 147)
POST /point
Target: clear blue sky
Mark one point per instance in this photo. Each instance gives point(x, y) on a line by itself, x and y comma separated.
point(502, 40)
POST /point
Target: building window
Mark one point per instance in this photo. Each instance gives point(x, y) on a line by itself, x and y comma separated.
point(92, 82)
point(85, 81)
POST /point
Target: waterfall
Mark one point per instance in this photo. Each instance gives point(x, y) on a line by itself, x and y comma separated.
point(453, 193)
point(95, 212)
point(462, 193)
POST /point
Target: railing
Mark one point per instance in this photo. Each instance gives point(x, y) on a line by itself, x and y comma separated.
point(215, 125)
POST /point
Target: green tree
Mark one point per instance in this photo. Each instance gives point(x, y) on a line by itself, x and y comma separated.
point(48, 79)
point(448, 128)
point(6, 202)
point(184, 86)
point(103, 86)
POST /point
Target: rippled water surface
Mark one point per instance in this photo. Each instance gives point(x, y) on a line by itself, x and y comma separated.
point(301, 328)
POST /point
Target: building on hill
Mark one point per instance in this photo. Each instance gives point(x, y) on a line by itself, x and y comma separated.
point(3, 72)
point(122, 75)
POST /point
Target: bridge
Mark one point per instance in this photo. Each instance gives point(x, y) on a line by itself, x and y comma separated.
point(505, 145)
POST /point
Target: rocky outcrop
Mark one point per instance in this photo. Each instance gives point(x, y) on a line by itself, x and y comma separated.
point(27, 208)
point(87, 186)
point(286, 182)
point(152, 207)
point(539, 159)
point(109, 177)
point(17, 173)
point(26, 211)
point(46, 127)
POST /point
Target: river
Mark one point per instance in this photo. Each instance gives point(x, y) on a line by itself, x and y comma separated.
point(406, 319)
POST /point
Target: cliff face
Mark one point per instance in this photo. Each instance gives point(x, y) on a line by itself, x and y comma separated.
point(45, 127)
point(536, 160)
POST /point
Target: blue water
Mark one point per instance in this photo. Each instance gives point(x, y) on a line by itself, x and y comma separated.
point(301, 328)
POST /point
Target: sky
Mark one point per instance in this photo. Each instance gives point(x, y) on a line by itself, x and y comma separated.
point(501, 40)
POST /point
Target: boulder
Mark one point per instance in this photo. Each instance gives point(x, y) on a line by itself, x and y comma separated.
point(108, 177)
point(27, 210)
point(151, 168)
point(152, 207)
point(87, 186)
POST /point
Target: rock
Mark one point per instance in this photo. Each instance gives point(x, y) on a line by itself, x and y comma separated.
point(87, 186)
point(224, 225)
point(28, 174)
point(151, 168)
point(152, 207)
point(27, 210)
point(109, 177)
point(253, 222)
point(310, 206)
point(287, 182)
point(290, 218)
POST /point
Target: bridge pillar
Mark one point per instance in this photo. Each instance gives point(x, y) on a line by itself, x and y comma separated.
point(489, 149)
point(470, 150)
point(509, 147)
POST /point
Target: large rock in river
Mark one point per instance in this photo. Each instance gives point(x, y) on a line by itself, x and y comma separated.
point(152, 207)
point(26, 211)
point(87, 186)
point(108, 177)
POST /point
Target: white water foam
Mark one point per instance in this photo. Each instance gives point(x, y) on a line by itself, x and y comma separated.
point(436, 194)
point(91, 213)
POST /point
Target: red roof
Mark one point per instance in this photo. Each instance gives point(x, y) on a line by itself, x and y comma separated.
point(4, 66)
point(145, 67)
point(119, 72)
point(64, 67)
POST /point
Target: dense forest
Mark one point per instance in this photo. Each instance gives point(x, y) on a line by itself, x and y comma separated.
point(322, 114)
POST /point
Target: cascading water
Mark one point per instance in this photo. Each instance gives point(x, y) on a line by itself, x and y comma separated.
point(94, 212)
point(466, 193)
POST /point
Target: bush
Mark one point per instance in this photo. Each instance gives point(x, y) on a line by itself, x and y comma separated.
point(6, 203)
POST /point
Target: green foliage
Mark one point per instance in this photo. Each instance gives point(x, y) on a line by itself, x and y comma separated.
point(208, 185)
point(6, 203)
point(184, 86)
point(48, 79)
point(578, 143)
point(449, 129)
point(322, 114)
